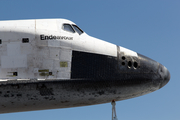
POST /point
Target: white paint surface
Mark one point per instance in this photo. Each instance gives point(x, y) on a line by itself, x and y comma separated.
point(128, 52)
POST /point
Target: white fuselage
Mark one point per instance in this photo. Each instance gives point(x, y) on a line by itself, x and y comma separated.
point(48, 50)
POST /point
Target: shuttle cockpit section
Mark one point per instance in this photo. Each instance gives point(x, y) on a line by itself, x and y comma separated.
point(68, 27)
point(78, 30)
point(72, 28)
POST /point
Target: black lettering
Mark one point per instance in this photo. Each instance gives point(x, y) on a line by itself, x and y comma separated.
point(51, 37)
point(46, 37)
point(42, 37)
point(54, 37)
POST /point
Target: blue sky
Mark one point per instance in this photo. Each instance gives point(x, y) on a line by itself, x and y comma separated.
point(150, 27)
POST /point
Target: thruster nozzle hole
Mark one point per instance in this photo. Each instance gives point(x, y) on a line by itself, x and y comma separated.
point(129, 64)
point(123, 58)
point(123, 63)
point(135, 65)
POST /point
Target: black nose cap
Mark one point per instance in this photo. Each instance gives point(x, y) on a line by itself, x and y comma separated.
point(165, 75)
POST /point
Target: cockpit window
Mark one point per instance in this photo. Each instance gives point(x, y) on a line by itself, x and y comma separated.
point(68, 27)
point(78, 30)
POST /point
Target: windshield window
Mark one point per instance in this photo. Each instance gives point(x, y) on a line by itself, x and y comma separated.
point(68, 27)
point(78, 30)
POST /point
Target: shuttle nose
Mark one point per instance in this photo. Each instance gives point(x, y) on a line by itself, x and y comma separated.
point(165, 75)
point(154, 71)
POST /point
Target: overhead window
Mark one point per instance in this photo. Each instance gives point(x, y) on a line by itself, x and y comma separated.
point(68, 27)
point(78, 30)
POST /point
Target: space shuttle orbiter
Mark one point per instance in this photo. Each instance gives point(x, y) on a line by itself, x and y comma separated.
point(52, 63)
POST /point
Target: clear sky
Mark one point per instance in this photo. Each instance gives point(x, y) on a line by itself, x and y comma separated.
point(149, 27)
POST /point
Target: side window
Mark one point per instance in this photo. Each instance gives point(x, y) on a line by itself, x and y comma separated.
point(78, 30)
point(67, 27)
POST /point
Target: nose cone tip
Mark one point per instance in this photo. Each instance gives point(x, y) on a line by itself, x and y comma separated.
point(166, 77)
